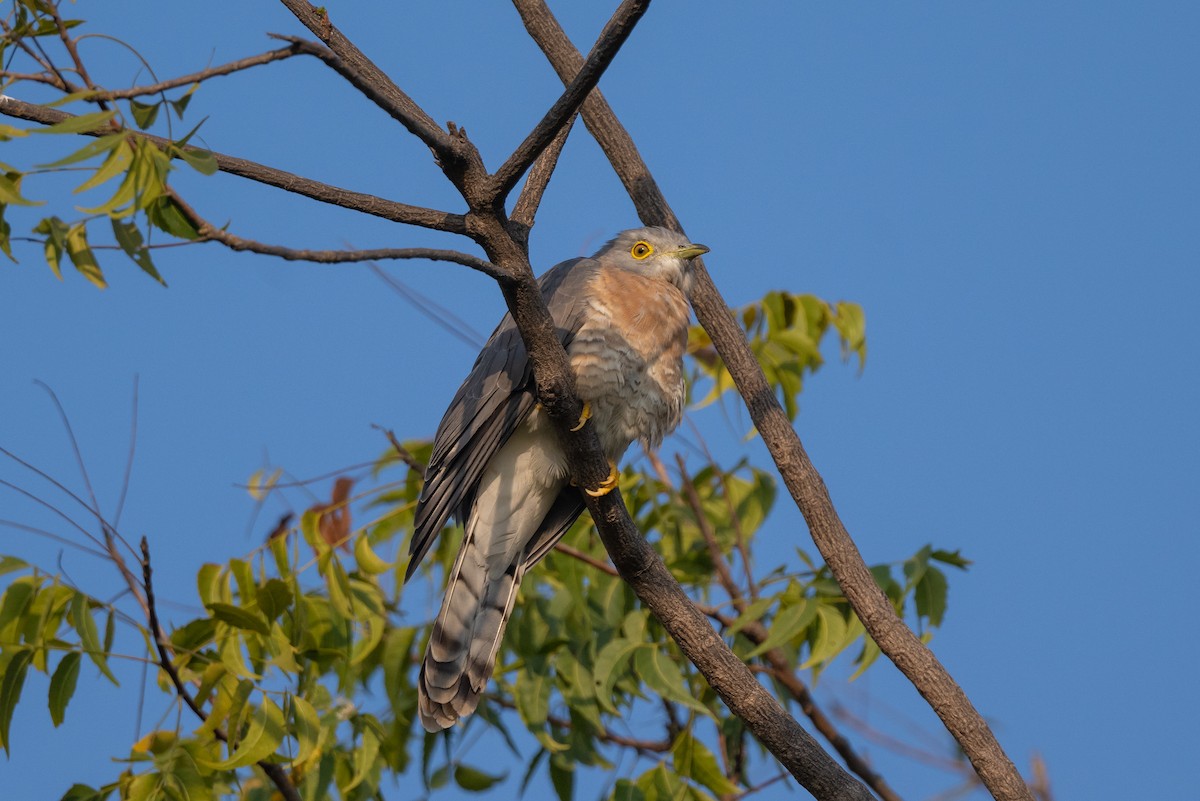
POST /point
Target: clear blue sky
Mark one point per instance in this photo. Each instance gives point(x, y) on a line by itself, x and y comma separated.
point(1010, 190)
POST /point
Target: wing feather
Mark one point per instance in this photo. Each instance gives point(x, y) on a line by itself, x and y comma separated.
point(498, 394)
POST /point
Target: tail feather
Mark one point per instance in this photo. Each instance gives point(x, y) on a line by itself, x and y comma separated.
point(466, 637)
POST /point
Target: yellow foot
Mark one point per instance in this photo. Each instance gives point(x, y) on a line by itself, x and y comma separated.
point(607, 485)
point(584, 416)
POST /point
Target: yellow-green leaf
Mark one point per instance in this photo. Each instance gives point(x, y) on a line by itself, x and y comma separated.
point(262, 738)
point(62, 685)
point(10, 690)
point(368, 561)
point(89, 637)
point(692, 759)
point(82, 256)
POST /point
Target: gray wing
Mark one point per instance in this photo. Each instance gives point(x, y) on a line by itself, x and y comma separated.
point(495, 398)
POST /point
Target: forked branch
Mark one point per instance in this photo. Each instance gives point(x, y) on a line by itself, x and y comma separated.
point(803, 481)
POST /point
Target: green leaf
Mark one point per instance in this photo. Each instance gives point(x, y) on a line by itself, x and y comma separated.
point(754, 610)
point(239, 618)
point(625, 790)
point(262, 738)
point(102, 144)
point(10, 563)
point(532, 695)
point(144, 114)
point(118, 161)
point(306, 726)
point(692, 759)
point(831, 636)
point(181, 103)
point(10, 191)
point(367, 560)
point(56, 242)
point(562, 776)
point(475, 780)
point(165, 213)
point(954, 558)
point(62, 685)
point(10, 690)
point(274, 598)
point(82, 257)
point(78, 123)
point(930, 594)
point(202, 161)
point(89, 637)
point(662, 675)
point(612, 657)
point(788, 624)
point(130, 239)
point(16, 600)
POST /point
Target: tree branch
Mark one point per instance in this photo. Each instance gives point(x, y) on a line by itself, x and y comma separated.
point(325, 193)
point(803, 481)
point(274, 772)
point(781, 669)
point(209, 232)
point(535, 185)
point(298, 47)
point(373, 82)
point(615, 32)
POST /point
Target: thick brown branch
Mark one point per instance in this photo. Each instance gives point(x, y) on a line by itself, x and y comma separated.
point(354, 201)
point(210, 233)
point(615, 32)
point(274, 772)
point(782, 670)
point(804, 483)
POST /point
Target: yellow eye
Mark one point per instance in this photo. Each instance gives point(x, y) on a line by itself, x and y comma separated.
point(641, 249)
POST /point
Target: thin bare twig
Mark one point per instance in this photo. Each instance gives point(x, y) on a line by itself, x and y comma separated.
point(289, 182)
point(587, 559)
point(402, 452)
point(211, 233)
point(274, 772)
point(298, 48)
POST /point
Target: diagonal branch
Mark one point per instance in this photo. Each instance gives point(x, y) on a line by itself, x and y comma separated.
point(211, 233)
point(803, 481)
point(535, 185)
point(615, 32)
point(289, 182)
point(373, 82)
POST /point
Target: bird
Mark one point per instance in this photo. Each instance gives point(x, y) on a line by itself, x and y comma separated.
point(497, 465)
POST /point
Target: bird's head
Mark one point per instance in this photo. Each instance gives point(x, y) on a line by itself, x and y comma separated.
point(653, 252)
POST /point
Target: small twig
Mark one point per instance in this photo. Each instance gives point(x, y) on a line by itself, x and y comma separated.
point(587, 559)
point(72, 50)
point(724, 575)
point(402, 452)
point(211, 233)
point(274, 772)
point(133, 427)
point(325, 193)
point(268, 57)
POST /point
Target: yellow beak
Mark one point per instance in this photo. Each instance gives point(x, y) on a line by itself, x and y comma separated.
point(691, 251)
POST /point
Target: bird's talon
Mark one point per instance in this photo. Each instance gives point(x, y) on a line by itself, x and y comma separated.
point(607, 485)
point(584, 416)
